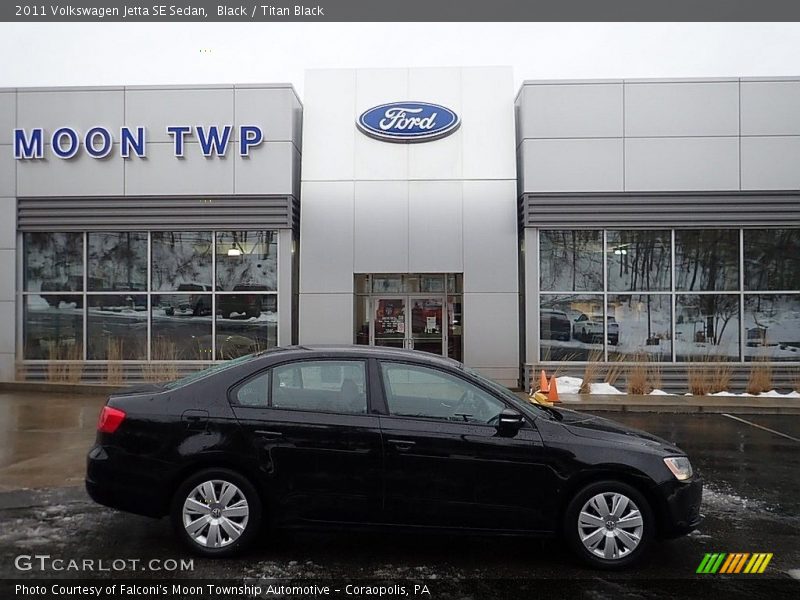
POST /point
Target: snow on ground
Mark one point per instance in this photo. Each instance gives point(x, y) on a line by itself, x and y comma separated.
point(571, 385)
point(769, 394)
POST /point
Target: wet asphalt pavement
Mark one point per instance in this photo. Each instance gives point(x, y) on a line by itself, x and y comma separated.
point(751, 504)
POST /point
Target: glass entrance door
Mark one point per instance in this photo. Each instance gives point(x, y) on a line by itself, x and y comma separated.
point(389, 322)
point(427, 332)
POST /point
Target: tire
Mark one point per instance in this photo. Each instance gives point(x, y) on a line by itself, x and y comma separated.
point(623, 547)
point(243, 507)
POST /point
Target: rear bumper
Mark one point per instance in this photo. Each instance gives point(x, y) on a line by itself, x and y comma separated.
point(107, 483)
point(682, 510)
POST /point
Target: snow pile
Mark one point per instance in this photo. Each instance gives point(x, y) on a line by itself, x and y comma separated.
point(571, 385)
point(769, 394)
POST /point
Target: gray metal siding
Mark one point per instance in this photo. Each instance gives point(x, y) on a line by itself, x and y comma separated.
point(595, 210)
point(153, 213)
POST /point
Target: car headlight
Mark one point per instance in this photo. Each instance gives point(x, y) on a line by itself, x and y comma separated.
point(680, 467)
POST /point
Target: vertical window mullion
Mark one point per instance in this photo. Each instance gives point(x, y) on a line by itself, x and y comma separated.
point(213, 295)
point(84, 295)
point(741, 296)
point(673, 277)
point(149, 288)
point(605, 296)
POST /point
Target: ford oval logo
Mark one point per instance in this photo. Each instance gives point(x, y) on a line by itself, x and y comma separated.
point(408, 122)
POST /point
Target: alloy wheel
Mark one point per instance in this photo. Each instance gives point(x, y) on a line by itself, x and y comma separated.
point(610, 525)
point(215, 513)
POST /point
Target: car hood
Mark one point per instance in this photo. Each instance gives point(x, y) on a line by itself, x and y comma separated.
point(598, 428)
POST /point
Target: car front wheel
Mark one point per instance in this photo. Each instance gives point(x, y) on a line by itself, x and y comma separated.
point(609, 525)
point(216, 512)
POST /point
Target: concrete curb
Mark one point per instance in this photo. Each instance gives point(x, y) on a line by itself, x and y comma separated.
point(679, 404)
point(59, 388)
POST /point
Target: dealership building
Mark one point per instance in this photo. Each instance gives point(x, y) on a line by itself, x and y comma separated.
point(148, 231)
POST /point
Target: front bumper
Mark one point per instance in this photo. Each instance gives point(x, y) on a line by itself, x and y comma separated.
point(682, 500)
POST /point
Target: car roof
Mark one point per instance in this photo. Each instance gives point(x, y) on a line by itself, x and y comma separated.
point(362, 351)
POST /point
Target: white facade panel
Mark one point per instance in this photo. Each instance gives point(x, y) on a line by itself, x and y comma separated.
point(162, 173)
point(490, 237)
point(326, 234)
point(770, 108)
point(8, 116)
point(681, 109)
point(8, 223)
point(380, 228)
point(268, 169)
point(77, 176)
point(160, 108)
point(771, 163)
point(575, 165)
point(326, 319)
point(80, 109)
point(487, 116)
point(268, 108)
point(7, 316)
point(491, 329)
point(681, 164)
point(435, 224)
point(571, 111)
point(7, 274)
point(329, 132)
point(8, 172)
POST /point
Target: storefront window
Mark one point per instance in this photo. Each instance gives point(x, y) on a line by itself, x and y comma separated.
point(117, 261)
point(571, 261)
point(116, 327)
point(707, 260)
point(638, 261)
point(53, 327)
point(53, 262)
point(179, 324)
point(571, 327)
point(247, 261)
point(706, 326)
point(246, 324)
point(640, 326)
point(772, 259)
point(772, 327)
point(182, 261)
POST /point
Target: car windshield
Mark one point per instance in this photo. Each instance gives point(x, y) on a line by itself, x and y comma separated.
point(209, 371)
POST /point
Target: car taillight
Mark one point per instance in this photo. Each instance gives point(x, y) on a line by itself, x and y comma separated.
point(110, 419)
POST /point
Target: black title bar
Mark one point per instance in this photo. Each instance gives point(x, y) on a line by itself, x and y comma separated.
point(185, 11)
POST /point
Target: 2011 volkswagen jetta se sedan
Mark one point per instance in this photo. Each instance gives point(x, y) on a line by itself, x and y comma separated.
point(375, 437)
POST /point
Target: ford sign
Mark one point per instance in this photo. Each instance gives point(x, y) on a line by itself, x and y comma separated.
point(408, 122)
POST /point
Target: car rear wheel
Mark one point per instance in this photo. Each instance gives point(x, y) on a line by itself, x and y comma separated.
point(216, 512)
point(609, 525)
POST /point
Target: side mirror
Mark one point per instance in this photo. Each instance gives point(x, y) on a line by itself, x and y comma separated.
point(510, 421)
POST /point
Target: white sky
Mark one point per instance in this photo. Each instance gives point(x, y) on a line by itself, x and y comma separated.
point(138, 53)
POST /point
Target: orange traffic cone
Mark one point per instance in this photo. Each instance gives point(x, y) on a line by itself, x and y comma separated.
point(544, 387)
point(552, 395)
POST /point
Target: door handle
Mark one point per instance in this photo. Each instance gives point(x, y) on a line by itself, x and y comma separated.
point(402, 445)
point(268, 434)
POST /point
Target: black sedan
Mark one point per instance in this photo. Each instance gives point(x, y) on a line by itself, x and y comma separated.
point(359, 436)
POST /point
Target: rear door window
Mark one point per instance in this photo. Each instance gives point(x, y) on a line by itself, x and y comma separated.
point(324, 386)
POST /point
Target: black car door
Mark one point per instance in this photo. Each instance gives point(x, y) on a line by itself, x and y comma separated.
point(318, 447)
point(447, 464)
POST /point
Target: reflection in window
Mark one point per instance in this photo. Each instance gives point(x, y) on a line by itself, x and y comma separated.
point(707, 325)
point(255, 392)
point(178, 333)
point(181, 261)
point(323, 386)
point(117, 261)
point(571, 327)
point(415, 391)
point(643, 326)
point(772, 259)
point(571, 261)
point(53, 262)
point(246, 324)
point(707, 259)
point(53, 327)
point(772, 327)
point(117, 327)
point(638, 260)
point(247, 260)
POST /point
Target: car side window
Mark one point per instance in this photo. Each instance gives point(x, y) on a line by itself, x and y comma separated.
point(325, 386)
point(417, 391)
point(254, 392)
